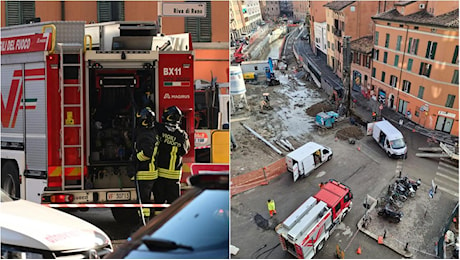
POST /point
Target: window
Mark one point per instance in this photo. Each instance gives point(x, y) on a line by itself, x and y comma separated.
point(396, 60)
point(376, 38)
point(368, 61)
point(376, 54)
point(450, 101)
point(328, 28)
point(421, 90)
point(385, 57)
point(455, 58)
point(200, 27)
point(383, 76)
point(425, 69)
point(431, 50)
point(328, 44)
point(110, 11)
point(389, 24)
point(401, 25)
point(406, 86)
point(19, 12)
point(337, 208)
point(373, 72)
point(387, 40)
point(455, 77)
point(393, 81)
point(333, 47)
point(409, 64)
point(415, 27)
point(398, 43)
point(413, 46)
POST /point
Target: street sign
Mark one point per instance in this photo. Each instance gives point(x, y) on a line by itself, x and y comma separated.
point(184, 9)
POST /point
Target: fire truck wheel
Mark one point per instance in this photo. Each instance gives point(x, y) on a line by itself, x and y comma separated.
point(320, 245)
point(10, 179)
point(125, 215)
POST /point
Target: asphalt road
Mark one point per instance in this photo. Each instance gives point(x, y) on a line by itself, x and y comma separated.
point(367, 171)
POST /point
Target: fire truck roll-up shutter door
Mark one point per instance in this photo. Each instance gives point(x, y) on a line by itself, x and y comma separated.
point(35, 116)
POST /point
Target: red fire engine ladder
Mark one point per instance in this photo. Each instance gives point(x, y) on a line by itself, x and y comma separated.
point(71, 90)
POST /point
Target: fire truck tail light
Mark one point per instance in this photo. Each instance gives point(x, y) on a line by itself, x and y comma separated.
point(299, 252)
point(62, 198)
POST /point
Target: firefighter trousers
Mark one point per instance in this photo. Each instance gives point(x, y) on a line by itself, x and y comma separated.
point(165, 191)
point(145, 190)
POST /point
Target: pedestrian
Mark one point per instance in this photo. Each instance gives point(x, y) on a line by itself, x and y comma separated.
point(173, 145)
point(146, 169)
point(374, 116)
point(321, 185)
point(271, 207)
point(401, 122)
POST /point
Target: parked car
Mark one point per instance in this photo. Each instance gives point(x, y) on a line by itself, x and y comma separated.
point(30, 230)
point(194, 226)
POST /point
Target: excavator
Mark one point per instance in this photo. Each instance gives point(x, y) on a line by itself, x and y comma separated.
point(238, 55)
point(271, 79)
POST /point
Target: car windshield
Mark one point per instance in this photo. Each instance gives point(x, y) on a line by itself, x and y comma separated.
point(204, 222)
point(398, 144)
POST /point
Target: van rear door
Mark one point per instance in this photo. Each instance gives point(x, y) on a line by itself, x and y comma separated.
point(295, 172)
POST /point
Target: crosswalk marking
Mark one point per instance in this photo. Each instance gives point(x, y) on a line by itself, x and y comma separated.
point(447, 178)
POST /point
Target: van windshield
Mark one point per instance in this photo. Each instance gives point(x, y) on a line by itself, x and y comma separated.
point(398, 144)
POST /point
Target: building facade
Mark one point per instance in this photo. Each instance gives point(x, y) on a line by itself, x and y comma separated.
point(415, 66)
point(321, 38)
point(252, 15)
point(236, 20)
point(346, 18)
point(300, 9)
point(361, 62)
point(210, 38)
point(317, 13)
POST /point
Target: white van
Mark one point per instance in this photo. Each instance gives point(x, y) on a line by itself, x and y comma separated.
point(306, 158)
point(389, 138)
point(31, 230)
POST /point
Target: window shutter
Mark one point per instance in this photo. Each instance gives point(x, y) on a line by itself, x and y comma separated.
point(28, 10)
point(200, 28)
point(104, 11)
point(454, 59)
point(433, 48)
point(12, 13)
point(428, 50)
point(416, 46)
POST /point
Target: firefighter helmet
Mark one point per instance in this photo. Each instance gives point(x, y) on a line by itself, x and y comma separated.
point(172, 115)
point(146, 118)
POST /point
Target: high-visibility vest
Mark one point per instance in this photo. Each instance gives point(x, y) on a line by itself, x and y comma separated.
point(271, 205)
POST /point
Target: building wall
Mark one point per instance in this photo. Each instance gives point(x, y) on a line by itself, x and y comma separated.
point(320, 37)
point(272, 10)
point(441, 7)
point(317, 14)
point(213, 55)
point(300, 10)
point(437, 86)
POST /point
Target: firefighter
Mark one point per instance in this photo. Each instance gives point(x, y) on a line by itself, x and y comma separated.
point(271, 207)
point(173, 145)
point(147, 141)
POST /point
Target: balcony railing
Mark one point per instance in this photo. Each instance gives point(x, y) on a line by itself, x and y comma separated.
point(337, 32)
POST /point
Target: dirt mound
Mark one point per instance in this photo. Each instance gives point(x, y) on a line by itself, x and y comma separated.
point(319, 107)
point(350, 132)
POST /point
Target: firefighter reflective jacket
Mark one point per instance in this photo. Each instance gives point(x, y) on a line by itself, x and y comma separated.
point(173, 145)
point(147, 142)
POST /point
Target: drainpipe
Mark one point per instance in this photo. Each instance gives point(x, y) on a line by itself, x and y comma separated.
point(398, 89)
point(62, 10)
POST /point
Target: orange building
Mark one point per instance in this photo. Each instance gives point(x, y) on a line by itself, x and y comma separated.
point(346, 18)
point(210, 34)
point(415, 66)
point(361, 62)
point(316, 13)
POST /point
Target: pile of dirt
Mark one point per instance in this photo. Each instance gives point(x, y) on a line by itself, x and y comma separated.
point(350, 132)
point(323, 106)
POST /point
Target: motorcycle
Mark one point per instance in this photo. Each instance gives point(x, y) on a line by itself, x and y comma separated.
point(392, 215)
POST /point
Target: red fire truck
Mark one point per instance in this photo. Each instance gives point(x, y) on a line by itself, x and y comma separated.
point(70, 92)
point(305, 231)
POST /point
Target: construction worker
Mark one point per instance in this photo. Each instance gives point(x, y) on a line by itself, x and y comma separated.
point(147, 142)
point(173, 145)
point(271, 207)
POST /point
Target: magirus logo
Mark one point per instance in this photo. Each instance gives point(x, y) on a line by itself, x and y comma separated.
point(169, 96)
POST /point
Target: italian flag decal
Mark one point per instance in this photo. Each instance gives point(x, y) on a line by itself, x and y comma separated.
point(30, 103)
point(176, 84)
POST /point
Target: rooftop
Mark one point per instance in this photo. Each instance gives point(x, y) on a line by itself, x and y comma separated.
point(363, 44)
point(422, 17)
point(338, 5)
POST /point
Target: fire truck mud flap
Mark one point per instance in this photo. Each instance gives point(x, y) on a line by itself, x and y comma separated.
point(10, 178)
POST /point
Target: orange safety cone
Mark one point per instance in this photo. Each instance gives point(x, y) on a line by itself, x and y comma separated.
point(358, 251)
point(359, 148)
point(380, 241)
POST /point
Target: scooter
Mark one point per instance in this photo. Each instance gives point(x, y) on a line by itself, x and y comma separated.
point(392, 215)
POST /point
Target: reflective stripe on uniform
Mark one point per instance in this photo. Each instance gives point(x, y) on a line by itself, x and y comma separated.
point(147, 175)
point(174, 174)
point(172, 161)
point(141, 157)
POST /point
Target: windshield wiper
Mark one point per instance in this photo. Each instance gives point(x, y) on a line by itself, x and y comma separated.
point(156, 244)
